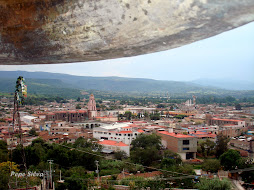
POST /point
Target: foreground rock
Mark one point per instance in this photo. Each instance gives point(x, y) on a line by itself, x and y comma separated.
point(60, 31)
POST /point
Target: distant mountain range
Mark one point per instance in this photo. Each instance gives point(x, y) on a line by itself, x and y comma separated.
point(70, 85)
point(226, 84)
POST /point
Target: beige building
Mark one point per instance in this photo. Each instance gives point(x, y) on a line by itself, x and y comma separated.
point(184, 145)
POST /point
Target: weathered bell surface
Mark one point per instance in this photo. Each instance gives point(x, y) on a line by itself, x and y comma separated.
point(60, 31)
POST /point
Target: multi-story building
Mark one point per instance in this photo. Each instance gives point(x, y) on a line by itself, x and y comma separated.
point(63, 130)
point(230, 130)
point(184, 145)
point(69, 116)
point(120, 132)
point(222, 122)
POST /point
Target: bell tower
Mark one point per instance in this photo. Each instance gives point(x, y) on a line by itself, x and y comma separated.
point(92, 111)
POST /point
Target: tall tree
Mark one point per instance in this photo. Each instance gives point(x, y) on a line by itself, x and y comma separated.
point(145, 149)
point(238, 107)
point(206, 148)
point(230, 160)
point(212, 165)
point(3, 151)
point(221, 145)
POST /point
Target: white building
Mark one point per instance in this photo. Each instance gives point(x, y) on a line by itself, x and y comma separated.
point(120, 132)
point(114, 146)
point(29, 119)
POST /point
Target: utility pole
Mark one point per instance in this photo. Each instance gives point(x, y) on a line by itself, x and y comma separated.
point(50, 172)
point(97, 170)
point(60, 180)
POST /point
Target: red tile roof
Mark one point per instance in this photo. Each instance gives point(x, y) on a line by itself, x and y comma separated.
point(178, 135)
point(125, 132)
point(233, 120)
point(149, 174)
point(140, 131)
point(61, 112)
point(72, 111)
point(127, 127)
point(82, 111)
point(112, 143)
point(50, 113)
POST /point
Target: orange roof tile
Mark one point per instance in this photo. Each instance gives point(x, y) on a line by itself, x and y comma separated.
point(127, 127)
point(82, 111)
point(233, 120)
point(149, 174)
point(125, 132)
point(178, 135)
point(112, 143)
point(140, 131)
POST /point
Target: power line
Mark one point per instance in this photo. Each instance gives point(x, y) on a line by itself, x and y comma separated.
point(148, 167)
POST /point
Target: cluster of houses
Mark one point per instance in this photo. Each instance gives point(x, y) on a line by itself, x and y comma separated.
point(57, 123)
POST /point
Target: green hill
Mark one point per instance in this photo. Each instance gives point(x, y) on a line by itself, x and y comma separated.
point(70, 86)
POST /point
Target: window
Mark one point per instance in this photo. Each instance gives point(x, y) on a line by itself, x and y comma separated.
point(120, 135)
point(186, 149)
point(185, 142)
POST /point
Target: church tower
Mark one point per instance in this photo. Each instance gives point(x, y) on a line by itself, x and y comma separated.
point(92, 111)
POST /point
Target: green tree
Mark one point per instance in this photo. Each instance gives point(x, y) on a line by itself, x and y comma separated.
point(213, 184)
point(127, 114)
point(5, 171)
point(120, 155)
point(78, 106)
point(180, 116)
point(206, 148)
point(32, 132)
point(248, 176)
point(230, 159)
point(238, 107)
point(155, 116)
point(145, 149)
point(212, 165)
point(170, 159)
point(3, 151)
point(160, 106)
point(221, 145)
point(87, 143)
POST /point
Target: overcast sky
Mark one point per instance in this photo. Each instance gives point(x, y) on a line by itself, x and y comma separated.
point(229, 55)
